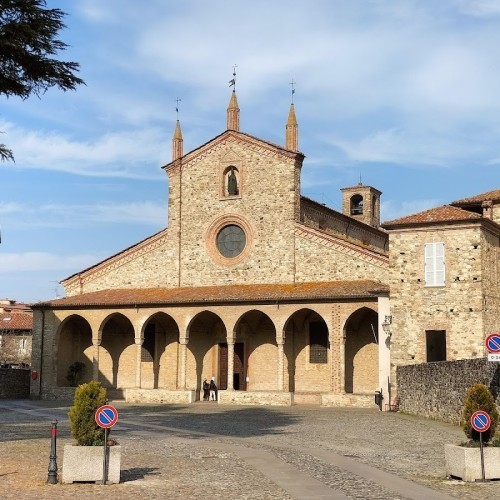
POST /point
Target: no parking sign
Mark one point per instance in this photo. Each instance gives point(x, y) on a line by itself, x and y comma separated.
point(106, 416)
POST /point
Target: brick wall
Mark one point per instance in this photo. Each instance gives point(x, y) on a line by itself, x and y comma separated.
point(14, 383)
point(437, 390)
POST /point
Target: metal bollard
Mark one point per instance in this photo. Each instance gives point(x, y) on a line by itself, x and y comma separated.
point(52, 476)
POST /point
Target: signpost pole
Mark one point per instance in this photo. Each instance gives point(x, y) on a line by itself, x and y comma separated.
point(105, 417)
point(105, 460)
point(483, 475)
point(480, 422)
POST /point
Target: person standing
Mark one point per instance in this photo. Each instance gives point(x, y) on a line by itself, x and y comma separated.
point(213, 390)
point(206, 387)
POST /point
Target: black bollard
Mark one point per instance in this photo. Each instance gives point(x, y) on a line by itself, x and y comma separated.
point(52, 477)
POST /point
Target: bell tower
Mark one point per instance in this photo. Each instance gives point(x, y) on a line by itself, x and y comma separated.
point(362, 203)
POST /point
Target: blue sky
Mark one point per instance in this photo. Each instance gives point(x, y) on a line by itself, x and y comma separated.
point(405, 94)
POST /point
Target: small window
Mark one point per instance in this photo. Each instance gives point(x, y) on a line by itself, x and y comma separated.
point(436, 345)
point(357, 205)
point(318, 343)
point(148, 345)
point(434, 264)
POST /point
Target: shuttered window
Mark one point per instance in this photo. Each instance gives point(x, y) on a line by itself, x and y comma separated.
point(434, 264)
point(318, 343)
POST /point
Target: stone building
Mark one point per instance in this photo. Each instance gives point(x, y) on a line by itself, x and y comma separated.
point(16, 330)
point(279, 298)
point(444, 281)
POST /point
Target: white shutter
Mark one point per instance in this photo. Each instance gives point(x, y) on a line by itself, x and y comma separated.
point(434, 264)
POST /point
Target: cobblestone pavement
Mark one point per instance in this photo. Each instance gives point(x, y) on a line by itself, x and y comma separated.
point(206, 450)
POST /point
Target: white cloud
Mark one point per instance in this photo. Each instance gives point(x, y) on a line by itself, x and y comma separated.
point(43, 261)
point(69, 215)
point(479, 8)
point(129, 154)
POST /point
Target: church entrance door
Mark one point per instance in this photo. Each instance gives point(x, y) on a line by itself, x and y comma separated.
point(239, 381)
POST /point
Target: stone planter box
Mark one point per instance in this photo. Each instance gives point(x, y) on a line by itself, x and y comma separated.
point(85, 464)
point(465, 463)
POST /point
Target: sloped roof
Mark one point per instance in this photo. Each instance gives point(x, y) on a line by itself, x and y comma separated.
point(237, 135)
point(479, 198)
point(315, 291)
point(446, 213)
point(16, 321)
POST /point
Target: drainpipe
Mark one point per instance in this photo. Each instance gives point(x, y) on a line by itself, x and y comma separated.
point(41, 356)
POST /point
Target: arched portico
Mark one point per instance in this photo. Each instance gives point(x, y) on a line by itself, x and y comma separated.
point(117, 349)
point(74, 344)
point(361, 352)
point(205, 332)
point(307, 352)
point(159, 352)
point(256, 341)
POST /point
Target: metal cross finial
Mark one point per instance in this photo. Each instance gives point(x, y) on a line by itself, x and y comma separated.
point(292, 83)
point(232, 83)
point(177, 101)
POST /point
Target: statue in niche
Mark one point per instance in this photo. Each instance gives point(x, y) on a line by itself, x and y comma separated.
point(232, 183)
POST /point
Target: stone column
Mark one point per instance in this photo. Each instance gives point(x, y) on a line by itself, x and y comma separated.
point(95, 360)
point(384, 349)
point(337, 350)
point(183, 364)
point(281, 364)
point(138, 362)
point(230, 365)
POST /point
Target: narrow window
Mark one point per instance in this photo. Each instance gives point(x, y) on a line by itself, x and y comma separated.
point(357, 205)
point(318, 343)
point(434, 264)
point(435, 345)
point(148, 345)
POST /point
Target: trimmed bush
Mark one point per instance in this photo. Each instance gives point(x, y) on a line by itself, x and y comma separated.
point(74, 373)
point(88, 398)
point(479, 397)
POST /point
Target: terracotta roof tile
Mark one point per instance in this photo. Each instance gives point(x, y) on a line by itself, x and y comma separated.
point(16, 321)
point(446, 213)
point(479, 198)
point(222, 294)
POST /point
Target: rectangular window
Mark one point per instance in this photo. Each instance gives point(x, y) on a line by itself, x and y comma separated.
point(435, 345)
point(434, 264)
point(318, 343)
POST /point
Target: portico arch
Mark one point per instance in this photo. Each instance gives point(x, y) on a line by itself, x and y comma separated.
point(307, 353)
point(74, 344)
point(117, 354)
point(159, 352)
point(205, 332)
point(361, 352)
point(256, 333)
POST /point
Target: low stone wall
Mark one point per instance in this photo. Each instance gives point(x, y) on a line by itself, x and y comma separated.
point(437, 390)
point(159, 396)
point(14, 383)
point(255, 398)
point(351, 400)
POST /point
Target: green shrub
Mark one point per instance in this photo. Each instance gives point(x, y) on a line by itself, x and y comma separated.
point(479, 397)
point(88, 398)
point(74, 373)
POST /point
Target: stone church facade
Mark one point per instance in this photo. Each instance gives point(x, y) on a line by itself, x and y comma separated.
point(278, 298)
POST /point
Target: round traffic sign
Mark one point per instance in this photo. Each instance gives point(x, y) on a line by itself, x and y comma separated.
point(106, 416)
point(480, 421)
point(493, 343)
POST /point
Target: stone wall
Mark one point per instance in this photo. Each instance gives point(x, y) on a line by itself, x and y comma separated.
point(437, 390)
point(456, 307)
point(14, 383)
point(331, 222)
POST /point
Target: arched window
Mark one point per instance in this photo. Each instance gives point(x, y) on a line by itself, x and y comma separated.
point(357, 205)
